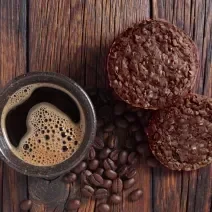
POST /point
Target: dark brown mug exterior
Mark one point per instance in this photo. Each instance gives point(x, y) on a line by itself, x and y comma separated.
point(90, 124)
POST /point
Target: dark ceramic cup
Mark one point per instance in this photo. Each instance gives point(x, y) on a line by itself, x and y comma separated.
point(80, 97)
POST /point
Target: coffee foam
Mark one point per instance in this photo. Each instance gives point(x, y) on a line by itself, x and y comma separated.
point(51, 137)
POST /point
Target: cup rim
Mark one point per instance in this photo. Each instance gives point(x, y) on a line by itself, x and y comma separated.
point(90, 124)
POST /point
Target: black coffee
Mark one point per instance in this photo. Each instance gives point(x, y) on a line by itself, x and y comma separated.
point(43, 124)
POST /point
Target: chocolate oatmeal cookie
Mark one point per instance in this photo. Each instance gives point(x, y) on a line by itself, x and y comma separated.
point(181, 137)
point(152, 63)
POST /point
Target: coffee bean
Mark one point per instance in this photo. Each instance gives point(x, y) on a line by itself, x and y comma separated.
point(84, 176)
point(104, 153)
point(103, 207)
point(79, 168)
point(87, 191)
point(98, 143)
point(135, 195)
point(101, 193)
point(129, 183)
point(110, 174)
point(109, 164)
point(131, 172)
point(99, 171)
point(73, 204)
point(70, 177)
point(122, 170)
point(123, 157)
point(96, 179)
point(115, 199)
point(138, 136)
point(26, 205)
point(119, 108)
point(152, 162)
point(109, 127)
point(133, 158)
point(112, 141)
point(135, 127)
point(91, 154)
point(121, 123)
point(130, 143)
point(117, 186)
point(93, 164)
point(130, 117)
point(114, 155)
point(107, 184)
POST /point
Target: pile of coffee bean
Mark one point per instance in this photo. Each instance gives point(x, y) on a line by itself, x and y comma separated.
point(120, 144)
point(110, 166)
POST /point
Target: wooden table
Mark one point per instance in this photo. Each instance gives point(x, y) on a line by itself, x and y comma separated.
point(72, 37)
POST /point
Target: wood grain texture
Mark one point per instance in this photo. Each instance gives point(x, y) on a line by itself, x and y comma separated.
point(190, 193)
point(73, 37)
point(13, 186)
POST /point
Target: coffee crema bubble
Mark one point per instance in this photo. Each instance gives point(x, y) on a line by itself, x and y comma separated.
point(51, 136)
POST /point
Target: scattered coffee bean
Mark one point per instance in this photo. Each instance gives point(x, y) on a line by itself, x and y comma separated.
point(130, 117)
point(129, 183)
point(91, 154)
point(96, 179)
point(131, 172)
point(109, 127)
point(122, 170)
point(138, 136)
point(110, 174)
point(119, 108)
point(115, 199)
point(98, 143)
point(135, 195)
point(123, 157)
point(99, 171)
point(79, 168)
point(130, 143)
point(112, 141)
point(93, 164)
point(87, 191)
point(84, 177)
point(101, 193)
point(26, 205)
point(107, 184)
point(73, 204)
point(122, 123)
point(114, 155)
point(152, 162)
point(117, 186)
point(109, 164)
point(133, 158)
point(104, 153)
point(135, 127)
point(70, 177)
point(103, 207)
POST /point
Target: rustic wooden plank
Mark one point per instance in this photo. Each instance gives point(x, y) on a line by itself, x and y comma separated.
point(55, 37)
point(194, 17)
point(13, 186)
